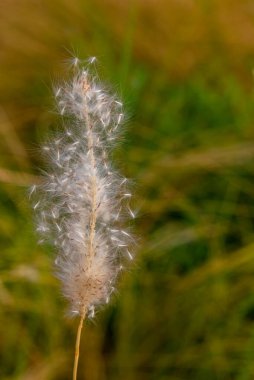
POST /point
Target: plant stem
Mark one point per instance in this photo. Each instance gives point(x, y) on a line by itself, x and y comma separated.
point(90, 253)
point(76, 358)
point(93, 215)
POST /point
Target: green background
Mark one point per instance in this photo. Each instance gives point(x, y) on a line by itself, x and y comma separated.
point(185, 309)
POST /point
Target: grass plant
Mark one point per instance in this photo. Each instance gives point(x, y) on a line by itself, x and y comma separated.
point(185, 310)
point(82, 200)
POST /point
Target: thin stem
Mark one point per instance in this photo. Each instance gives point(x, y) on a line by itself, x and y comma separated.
point(92, 220)
point(93, 216)
point(92, 223)
point(76, 358)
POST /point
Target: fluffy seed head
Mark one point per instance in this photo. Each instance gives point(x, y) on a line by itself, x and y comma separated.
point(83, 201)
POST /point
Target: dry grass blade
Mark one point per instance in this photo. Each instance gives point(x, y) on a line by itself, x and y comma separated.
point(45, 370)
point(211, 159)
point(17, 178)
point(13, 141)
point(217, 266)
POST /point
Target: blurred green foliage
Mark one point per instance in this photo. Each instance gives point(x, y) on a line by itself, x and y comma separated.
point(185, 310)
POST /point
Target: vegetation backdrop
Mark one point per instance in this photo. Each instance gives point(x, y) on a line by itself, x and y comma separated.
point(184, 70)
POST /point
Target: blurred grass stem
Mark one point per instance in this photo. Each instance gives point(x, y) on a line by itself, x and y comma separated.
point(77, 346)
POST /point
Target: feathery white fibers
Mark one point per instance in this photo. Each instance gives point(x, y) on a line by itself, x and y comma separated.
point(82, 203)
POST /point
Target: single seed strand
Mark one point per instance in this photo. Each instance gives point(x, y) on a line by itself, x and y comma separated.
point(92, 223)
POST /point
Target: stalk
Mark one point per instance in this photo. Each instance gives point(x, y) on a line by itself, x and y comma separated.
point(77, 347)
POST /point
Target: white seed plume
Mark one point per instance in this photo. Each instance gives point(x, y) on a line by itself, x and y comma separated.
point(82, 203)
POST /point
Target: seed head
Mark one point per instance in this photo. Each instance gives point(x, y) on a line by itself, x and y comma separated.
point(83, 201)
